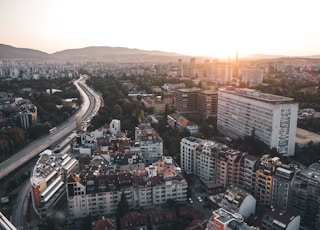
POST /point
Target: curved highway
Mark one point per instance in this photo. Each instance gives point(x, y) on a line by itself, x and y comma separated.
point(90, 106)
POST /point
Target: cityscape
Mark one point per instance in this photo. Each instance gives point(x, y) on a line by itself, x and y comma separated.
point(137, 115)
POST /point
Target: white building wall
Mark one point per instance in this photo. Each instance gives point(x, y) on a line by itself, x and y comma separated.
point(188, 155)
point(115, 126)
point(294, 224)
point(273, 123)
point(248, 206)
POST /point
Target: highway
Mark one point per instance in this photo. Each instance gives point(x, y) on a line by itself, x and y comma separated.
point(90, 106)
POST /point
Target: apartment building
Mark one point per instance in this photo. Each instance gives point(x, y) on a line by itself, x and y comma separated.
point(304, 196)
point(247, 172)
point(206, 160)
point(281, 184)
point(158, 105)
point(236, 200)
point(207, 103)
point(181, 123)
point(271, 118)
point(275, 219)
point(48, 180)
point(188, 154)
point(221, 219)
point(96, 192)
point(158, 183)
point(264, 177)
point(228, 167)
point(186, 101)
point(148, 143)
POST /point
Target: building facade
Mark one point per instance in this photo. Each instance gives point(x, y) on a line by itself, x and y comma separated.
point(228, 167)
point(181, 123)
point(96, 192)
point(48, 181)
point(149, 142)
point(271, 118)
point(280, 186)
point(278, 219)
point(188, 154)
point(304, 196)
point(207, 105)
point(236, 200)
point(186, 101)
point(222, 219)
point(206, 155)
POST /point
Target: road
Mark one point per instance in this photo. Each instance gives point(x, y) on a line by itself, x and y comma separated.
point(90, 106)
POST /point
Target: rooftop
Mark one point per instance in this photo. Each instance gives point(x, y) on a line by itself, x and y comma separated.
point(48, 165)
point(304, 137)
point(279, 217)
point(257, 95)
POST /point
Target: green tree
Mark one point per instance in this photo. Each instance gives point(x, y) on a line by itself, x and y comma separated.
point(117, 112)
point(122, 209)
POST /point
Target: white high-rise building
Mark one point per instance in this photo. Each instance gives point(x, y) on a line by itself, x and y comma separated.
point(115, 126)
point(271, 118)
point(188, 153)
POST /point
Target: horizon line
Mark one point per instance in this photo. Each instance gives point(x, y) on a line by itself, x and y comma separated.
point(179, 54)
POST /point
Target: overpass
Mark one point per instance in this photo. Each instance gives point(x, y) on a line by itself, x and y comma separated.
point(90, 106)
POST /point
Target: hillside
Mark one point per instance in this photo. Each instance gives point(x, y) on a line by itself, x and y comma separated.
point(10, 52)
point(95, 53)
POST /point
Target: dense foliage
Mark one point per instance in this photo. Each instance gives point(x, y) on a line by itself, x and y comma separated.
point(116, 105)
point(10, 141)
point(48, 110)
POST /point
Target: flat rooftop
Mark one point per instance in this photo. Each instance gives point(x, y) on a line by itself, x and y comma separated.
point(257, 95)
point(303, 137)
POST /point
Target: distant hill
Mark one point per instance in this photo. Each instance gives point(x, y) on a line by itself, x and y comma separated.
point(95, 53)
point(113, 54)
point(10, 52)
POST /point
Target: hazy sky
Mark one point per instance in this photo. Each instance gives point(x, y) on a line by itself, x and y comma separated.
point(198, 27)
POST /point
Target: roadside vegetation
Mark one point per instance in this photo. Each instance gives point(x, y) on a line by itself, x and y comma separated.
point(49, 109)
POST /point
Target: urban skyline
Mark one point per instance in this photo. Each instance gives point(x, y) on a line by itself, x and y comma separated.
point(204, 28)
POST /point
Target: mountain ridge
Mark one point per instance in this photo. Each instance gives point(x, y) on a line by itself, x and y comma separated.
point(114, 54)
point(96, 53)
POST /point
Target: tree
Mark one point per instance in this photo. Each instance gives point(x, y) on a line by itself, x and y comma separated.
point(122, 209)
point(117, 111)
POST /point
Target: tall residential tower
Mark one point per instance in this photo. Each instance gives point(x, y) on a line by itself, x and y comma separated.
point(271, 118)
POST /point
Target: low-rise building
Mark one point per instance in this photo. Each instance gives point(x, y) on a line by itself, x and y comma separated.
point(181, 123)
point(48, 181)
point(148, 143)
point(133, 220)
point(280, 219)
point(221, 219)
point(236, 200)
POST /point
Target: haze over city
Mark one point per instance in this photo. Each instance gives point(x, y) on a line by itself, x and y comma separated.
point(201, 28)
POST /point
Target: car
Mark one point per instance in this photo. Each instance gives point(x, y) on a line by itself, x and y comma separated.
point(199, 199)
point(190, 200)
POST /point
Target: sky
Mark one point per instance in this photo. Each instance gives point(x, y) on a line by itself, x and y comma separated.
point(196, 28)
